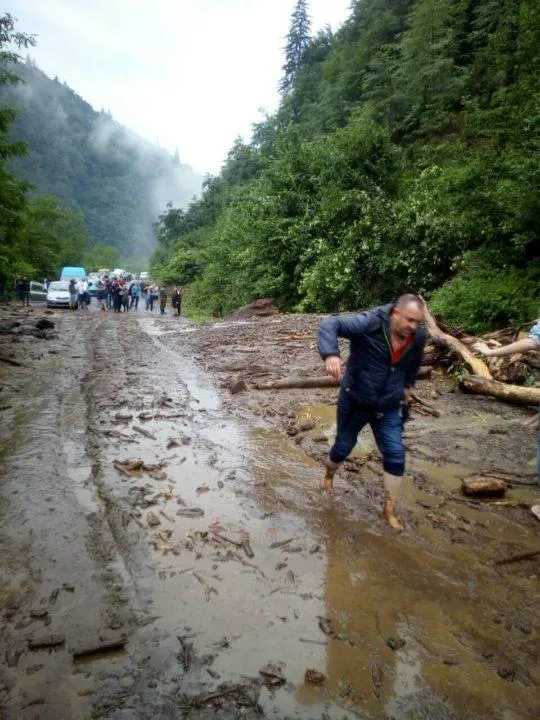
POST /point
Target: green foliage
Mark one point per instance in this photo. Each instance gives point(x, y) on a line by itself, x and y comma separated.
point(403, 143)
point(101, 256)
point(51, 237)
point(483, 296)
point(117, 180)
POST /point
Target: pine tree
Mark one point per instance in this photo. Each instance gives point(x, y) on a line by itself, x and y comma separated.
point(298, 40)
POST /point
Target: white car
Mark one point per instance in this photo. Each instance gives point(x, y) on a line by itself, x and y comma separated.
point(58, 294)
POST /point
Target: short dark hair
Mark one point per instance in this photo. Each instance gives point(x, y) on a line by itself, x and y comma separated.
point(404, 300)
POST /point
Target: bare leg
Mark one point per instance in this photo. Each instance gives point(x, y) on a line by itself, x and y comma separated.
point(392, 484)
point(327, 483)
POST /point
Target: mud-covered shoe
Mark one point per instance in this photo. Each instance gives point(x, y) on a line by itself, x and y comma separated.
point(327, 483)
point(391, 518)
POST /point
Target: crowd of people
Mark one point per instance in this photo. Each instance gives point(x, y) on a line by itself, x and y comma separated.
point(121, 295)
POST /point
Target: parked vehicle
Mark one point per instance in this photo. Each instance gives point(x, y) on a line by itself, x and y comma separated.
point(38, 292)
point(58, 295)
point(72, 273)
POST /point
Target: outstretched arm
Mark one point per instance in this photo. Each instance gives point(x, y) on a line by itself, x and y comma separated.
point(520, 346)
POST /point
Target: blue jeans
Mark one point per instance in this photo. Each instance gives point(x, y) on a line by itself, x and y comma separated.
point(387, 429)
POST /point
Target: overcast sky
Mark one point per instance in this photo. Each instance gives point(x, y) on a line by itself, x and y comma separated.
point(191, 74)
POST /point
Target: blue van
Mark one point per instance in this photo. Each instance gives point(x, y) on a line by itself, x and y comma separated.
point(75, 273)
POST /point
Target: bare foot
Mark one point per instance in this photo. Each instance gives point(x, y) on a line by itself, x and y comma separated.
point(327, 484)
point(390, 517)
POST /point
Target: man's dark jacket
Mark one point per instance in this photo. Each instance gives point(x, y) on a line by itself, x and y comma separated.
point(371, 378)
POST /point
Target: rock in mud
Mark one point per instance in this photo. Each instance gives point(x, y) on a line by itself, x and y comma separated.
point(152, 519)
point(480, 485)
point(314, 676)
point(44, 324)
point(44, 642)
point(395, 643)
point(305, 425)
point(123, 416)
point(236, 386)
point(272, 675)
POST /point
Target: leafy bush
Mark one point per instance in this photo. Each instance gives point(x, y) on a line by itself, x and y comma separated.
point(485, 297)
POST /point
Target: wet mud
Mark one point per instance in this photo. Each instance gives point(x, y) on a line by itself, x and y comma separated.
point(166, 551)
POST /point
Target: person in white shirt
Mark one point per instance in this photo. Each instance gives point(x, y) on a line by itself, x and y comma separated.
point(82, 293)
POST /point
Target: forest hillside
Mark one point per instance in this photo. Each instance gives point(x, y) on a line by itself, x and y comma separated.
point(115, 179)
point(403, 156)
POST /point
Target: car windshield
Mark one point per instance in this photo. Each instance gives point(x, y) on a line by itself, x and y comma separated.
point(59, 286)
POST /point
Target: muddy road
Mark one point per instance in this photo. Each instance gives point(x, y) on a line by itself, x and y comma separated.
point(164, 540)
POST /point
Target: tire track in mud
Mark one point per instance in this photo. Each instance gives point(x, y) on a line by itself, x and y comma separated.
point(51, 530)
point(134, 373)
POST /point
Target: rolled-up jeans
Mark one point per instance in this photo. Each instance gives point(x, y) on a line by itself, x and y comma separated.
point(387, 428)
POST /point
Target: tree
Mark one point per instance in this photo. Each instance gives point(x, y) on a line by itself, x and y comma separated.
point(298, 40)
point(12, 192)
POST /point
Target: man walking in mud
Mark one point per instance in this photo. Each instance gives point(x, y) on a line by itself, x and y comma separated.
point(386, 349)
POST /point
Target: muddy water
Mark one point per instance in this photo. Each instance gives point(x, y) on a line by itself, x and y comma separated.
point(331, 599)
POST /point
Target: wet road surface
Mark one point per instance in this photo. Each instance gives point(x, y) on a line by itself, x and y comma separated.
point(157, 554)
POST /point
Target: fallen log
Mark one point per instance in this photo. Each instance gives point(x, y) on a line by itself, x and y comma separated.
point(517, 558)
point(517, 394)
point(10, 361)
point(99, 648)
point(439, 337)
point(319, 382)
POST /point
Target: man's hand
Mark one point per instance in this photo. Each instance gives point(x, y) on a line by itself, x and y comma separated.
point(407, 395)
point(333, 366)
point(482, 348)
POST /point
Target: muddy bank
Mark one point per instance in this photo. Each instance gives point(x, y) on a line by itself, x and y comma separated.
point(167, 539)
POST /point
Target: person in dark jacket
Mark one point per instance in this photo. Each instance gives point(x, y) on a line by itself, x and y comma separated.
point(386, 349)
point(176, 301)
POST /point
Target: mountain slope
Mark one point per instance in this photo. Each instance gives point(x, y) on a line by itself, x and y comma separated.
point(117, 179)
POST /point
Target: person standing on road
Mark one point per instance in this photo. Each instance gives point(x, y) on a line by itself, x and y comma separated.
point(108, 286)
point(151, 293)
point(520, 346)
point(19, 290)
point(4, 295)
point(135, 293)
point(72, 289)
point(176, 301)
point(162, 300)
point(125, 295)
point(25, 291)
point(82, 294)
point(116, 293)
point(102, 295)
point(386, 350)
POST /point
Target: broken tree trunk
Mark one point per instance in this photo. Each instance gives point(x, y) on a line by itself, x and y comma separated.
point(517, 394)
point(439, 337)
point(317, 382)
